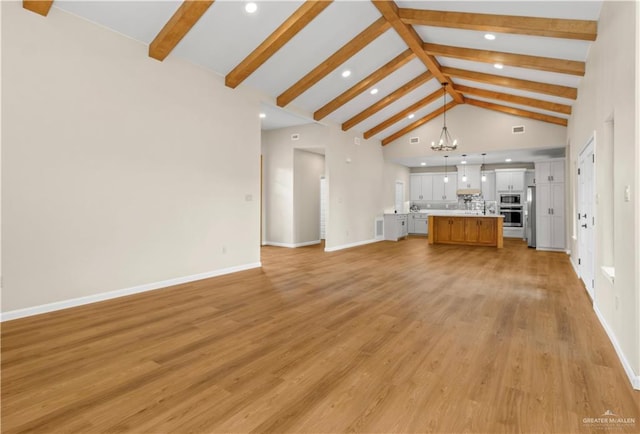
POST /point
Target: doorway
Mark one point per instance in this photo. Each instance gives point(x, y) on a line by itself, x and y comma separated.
point(586, 217)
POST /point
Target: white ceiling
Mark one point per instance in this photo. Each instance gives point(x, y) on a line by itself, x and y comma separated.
point(226, 34)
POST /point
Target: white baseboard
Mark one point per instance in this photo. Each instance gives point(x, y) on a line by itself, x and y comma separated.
point(291, 245)
point(633, 378)
point(65, 304)
point(348, 246)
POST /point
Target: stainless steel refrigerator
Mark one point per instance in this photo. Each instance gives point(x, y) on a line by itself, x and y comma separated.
point(530, 218)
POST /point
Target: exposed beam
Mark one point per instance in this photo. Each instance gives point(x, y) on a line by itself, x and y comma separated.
point(534, 86)
point(389, 99)
point(389, 10)
point(40, 7)
point(403, 114)
point(518, 112)
point(396, 63)
point(363, 39)
point(177, 27)
point(531, 102)
point(283, 34)
point(551, 27)
point(562, 66)
point(417, 123)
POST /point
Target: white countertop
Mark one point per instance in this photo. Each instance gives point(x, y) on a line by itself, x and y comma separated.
point(467, 214)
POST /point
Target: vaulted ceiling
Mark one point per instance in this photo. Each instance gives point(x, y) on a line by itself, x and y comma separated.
point(398, 53)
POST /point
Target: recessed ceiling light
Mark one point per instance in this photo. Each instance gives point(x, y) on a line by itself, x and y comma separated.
point(411, 116)
point(374, 91)
point(346, 73)
point(508, 160)
point(489, 36)
point(463, 162)
point(262, 115)
point(423, 164)
point(498, 65)
point(250, 7)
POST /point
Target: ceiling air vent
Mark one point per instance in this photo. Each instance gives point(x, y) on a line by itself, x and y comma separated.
point(414, 140)
point(295, 136)
point(517, 130)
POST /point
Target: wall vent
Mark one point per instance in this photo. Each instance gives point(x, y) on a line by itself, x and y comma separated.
point(379, 228)
point(414, 140)
point(295, 136)
point(517, 129)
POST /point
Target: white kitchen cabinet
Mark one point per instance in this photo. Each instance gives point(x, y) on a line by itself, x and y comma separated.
point(550, 218)
point(488, 187)
point(396, 226)
point(418, 223)
point(510, 180)
point(550, 171)
point(445, 190)
point(472, 171)
point(421, 187)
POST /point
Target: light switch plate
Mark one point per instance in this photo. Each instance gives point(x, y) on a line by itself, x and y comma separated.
point(627, 193)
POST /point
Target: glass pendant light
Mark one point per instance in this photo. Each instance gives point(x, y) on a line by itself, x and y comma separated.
point(484, 176)
point(464, 163)
point(446, 178)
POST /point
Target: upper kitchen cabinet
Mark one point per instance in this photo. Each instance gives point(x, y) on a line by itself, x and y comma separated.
point(472, 174)
point(488, 187)
point(549, 171)
point(445, 190)
point(510, 179)
point(421, 186)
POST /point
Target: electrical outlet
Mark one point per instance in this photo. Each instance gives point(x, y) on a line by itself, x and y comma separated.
point(248, 198)
point(617, 302)
point(224, 250)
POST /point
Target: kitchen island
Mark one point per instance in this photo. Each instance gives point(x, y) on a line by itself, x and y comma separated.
point(466, 229)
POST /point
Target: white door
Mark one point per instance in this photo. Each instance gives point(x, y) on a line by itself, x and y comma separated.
point(586, 218)
point(399, 206)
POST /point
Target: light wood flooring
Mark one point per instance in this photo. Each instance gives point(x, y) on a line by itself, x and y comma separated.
point(388, 337)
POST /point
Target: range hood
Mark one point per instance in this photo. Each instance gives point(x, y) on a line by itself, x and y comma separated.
point(469, 192)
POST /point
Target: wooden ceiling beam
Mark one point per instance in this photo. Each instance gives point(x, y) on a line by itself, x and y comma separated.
point(403, 114)
point(521, 100)
point(389, 11)
point(389, 99)
point(189, 12)
point(517, 112)
point(363, 39)
point(417, 123)
point(395, 64)
point(561, 66)
point(40, 7)
point(306, 13)
point(550, 27)
point(498, 80)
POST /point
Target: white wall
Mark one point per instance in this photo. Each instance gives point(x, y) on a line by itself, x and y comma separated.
point(278, 182)
point(118, 170)
point(392, 173)
point(361, 185)
point(308, 168)
point(479, 130)
point(609, 91)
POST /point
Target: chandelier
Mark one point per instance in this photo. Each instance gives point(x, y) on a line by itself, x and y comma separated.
point(446, 143)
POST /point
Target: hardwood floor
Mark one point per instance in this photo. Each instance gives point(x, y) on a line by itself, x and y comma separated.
point(388, 337)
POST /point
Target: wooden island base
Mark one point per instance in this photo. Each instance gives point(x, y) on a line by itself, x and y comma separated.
point(472, 230)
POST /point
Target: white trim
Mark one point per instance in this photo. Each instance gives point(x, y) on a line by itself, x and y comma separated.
point(65, 304)
point(348, 246)
point(633, 378)
point(292, 245)
point(550, 249)
point(575, 266)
